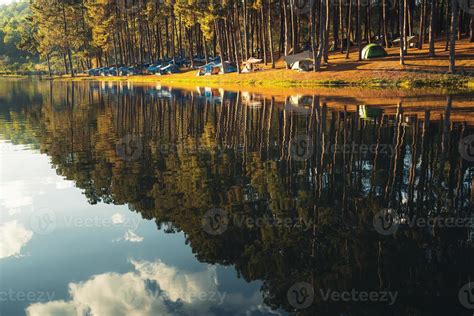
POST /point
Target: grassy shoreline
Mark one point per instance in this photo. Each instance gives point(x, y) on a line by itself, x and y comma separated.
point(451, 82)
point(445, 81)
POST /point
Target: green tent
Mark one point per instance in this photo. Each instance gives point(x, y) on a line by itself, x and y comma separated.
point(369, 112)
point(372, 51)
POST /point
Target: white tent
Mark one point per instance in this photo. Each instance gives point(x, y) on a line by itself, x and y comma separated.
point(291, 59)
point(249, 64)
point(303, 65)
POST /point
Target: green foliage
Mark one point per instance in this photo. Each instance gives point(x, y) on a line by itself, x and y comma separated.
point(17, 52)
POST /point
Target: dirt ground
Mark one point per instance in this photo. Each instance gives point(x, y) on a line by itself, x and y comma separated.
point(418, 66)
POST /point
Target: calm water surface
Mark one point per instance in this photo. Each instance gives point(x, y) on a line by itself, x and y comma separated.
point(120, 199)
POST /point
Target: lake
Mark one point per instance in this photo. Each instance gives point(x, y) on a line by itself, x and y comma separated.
point(129, 199)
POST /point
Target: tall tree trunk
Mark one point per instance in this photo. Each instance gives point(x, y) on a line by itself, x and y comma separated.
point(191, 52)
point(313, 27)
point(406, 22)
point(384, 14)
point(66, 71)
point(294, 27)
point(471, 29)
point(246, 30)
point(421, 31)
point(432, 39)
point(359, 31)
point(341, 24)
point(270, 33)
point(234, 41)
point(264, 33)
point(206, 57)
point(221, 45)
point(349, 27)
point(287, 31)
point(368, 25)
point(322, 35)
point(49, 65)
point(335, 26)
point(448, 27)
point(402, 32)
point(326, 30)
point(452, 44)
point(69, 55)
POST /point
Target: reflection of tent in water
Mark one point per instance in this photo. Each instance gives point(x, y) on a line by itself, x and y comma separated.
point(161, 93)
point(373, 51)
point(301, 61)
point(251, 100)
point(367, 112)
point(299, 104)
point(249, 64)
point(200, 91)
point(213, 95)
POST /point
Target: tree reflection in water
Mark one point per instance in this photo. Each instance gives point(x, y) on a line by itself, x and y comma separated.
point(172, 155)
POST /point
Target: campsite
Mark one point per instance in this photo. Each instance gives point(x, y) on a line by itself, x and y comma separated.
point(236, 158)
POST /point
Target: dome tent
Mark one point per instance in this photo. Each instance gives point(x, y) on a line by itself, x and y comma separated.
point(373, 51)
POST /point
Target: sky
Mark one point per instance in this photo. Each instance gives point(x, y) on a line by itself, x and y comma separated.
point(6, 1)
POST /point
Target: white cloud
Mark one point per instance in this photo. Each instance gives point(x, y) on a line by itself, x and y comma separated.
point(132, 237)
point(63, 184)
point(56, 308)
point(13, 236)
point(117, 218)
point(154, 288)
point(13, 196)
